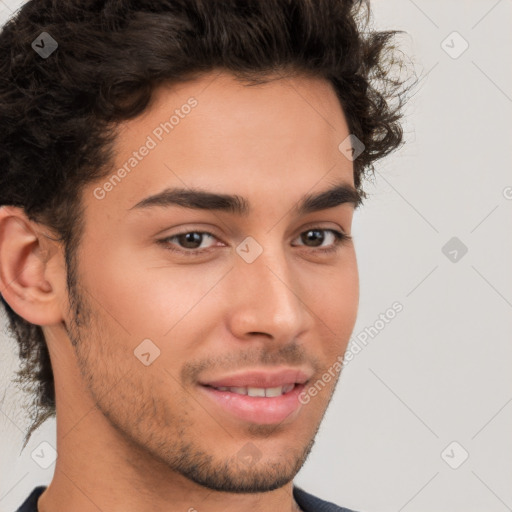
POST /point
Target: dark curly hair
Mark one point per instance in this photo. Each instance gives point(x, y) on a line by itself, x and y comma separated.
point(58, 115)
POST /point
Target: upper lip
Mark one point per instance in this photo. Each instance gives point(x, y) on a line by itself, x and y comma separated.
point(261, 378)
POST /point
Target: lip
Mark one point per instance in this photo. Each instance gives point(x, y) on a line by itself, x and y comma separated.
point(261, 378)
point(260, 410)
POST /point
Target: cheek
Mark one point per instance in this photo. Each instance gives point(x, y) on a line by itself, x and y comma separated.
point(333, 297)
point(149, 296)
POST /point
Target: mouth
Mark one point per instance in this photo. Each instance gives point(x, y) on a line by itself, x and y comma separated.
point(258, 392)
point(259, 379)
point(257, 397)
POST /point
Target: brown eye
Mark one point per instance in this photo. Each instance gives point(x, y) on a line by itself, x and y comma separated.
point(189, 241)
point(315, 237)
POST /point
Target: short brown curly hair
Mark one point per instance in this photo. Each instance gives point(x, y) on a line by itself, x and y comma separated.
point(58, 114)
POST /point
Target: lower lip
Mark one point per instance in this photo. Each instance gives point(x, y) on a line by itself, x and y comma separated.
point(258, 409)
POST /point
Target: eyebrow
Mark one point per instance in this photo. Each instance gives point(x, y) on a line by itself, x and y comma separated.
point(204, 200)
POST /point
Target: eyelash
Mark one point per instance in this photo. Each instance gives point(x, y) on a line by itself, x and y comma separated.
point(340, 238)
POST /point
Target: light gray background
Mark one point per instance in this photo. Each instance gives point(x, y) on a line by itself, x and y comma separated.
point(440, 370)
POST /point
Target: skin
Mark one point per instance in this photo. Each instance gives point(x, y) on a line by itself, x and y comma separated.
point(133, 437)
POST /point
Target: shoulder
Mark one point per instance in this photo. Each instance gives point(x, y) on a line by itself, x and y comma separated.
point(309, 503)
point(30, 504)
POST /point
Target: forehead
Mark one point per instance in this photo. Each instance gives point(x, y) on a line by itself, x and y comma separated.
point(219, 134)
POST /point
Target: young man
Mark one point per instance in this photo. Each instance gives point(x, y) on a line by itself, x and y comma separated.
point(178, 180)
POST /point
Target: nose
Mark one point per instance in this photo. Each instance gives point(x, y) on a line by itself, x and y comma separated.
point(267, 299)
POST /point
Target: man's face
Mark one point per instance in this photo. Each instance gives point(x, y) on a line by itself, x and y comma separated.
point(245, 300)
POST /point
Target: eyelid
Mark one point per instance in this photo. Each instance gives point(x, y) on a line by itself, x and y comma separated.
point(203, 227)
point(211, 229)
point(323, 224)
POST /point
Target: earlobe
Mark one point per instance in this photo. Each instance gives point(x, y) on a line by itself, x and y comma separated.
point(27, 273)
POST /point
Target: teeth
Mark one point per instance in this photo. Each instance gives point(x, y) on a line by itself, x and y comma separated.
point(261, 392)
point(256, 391)
point(274, 391)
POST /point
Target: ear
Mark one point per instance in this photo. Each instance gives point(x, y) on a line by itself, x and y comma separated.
point(30, 276)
